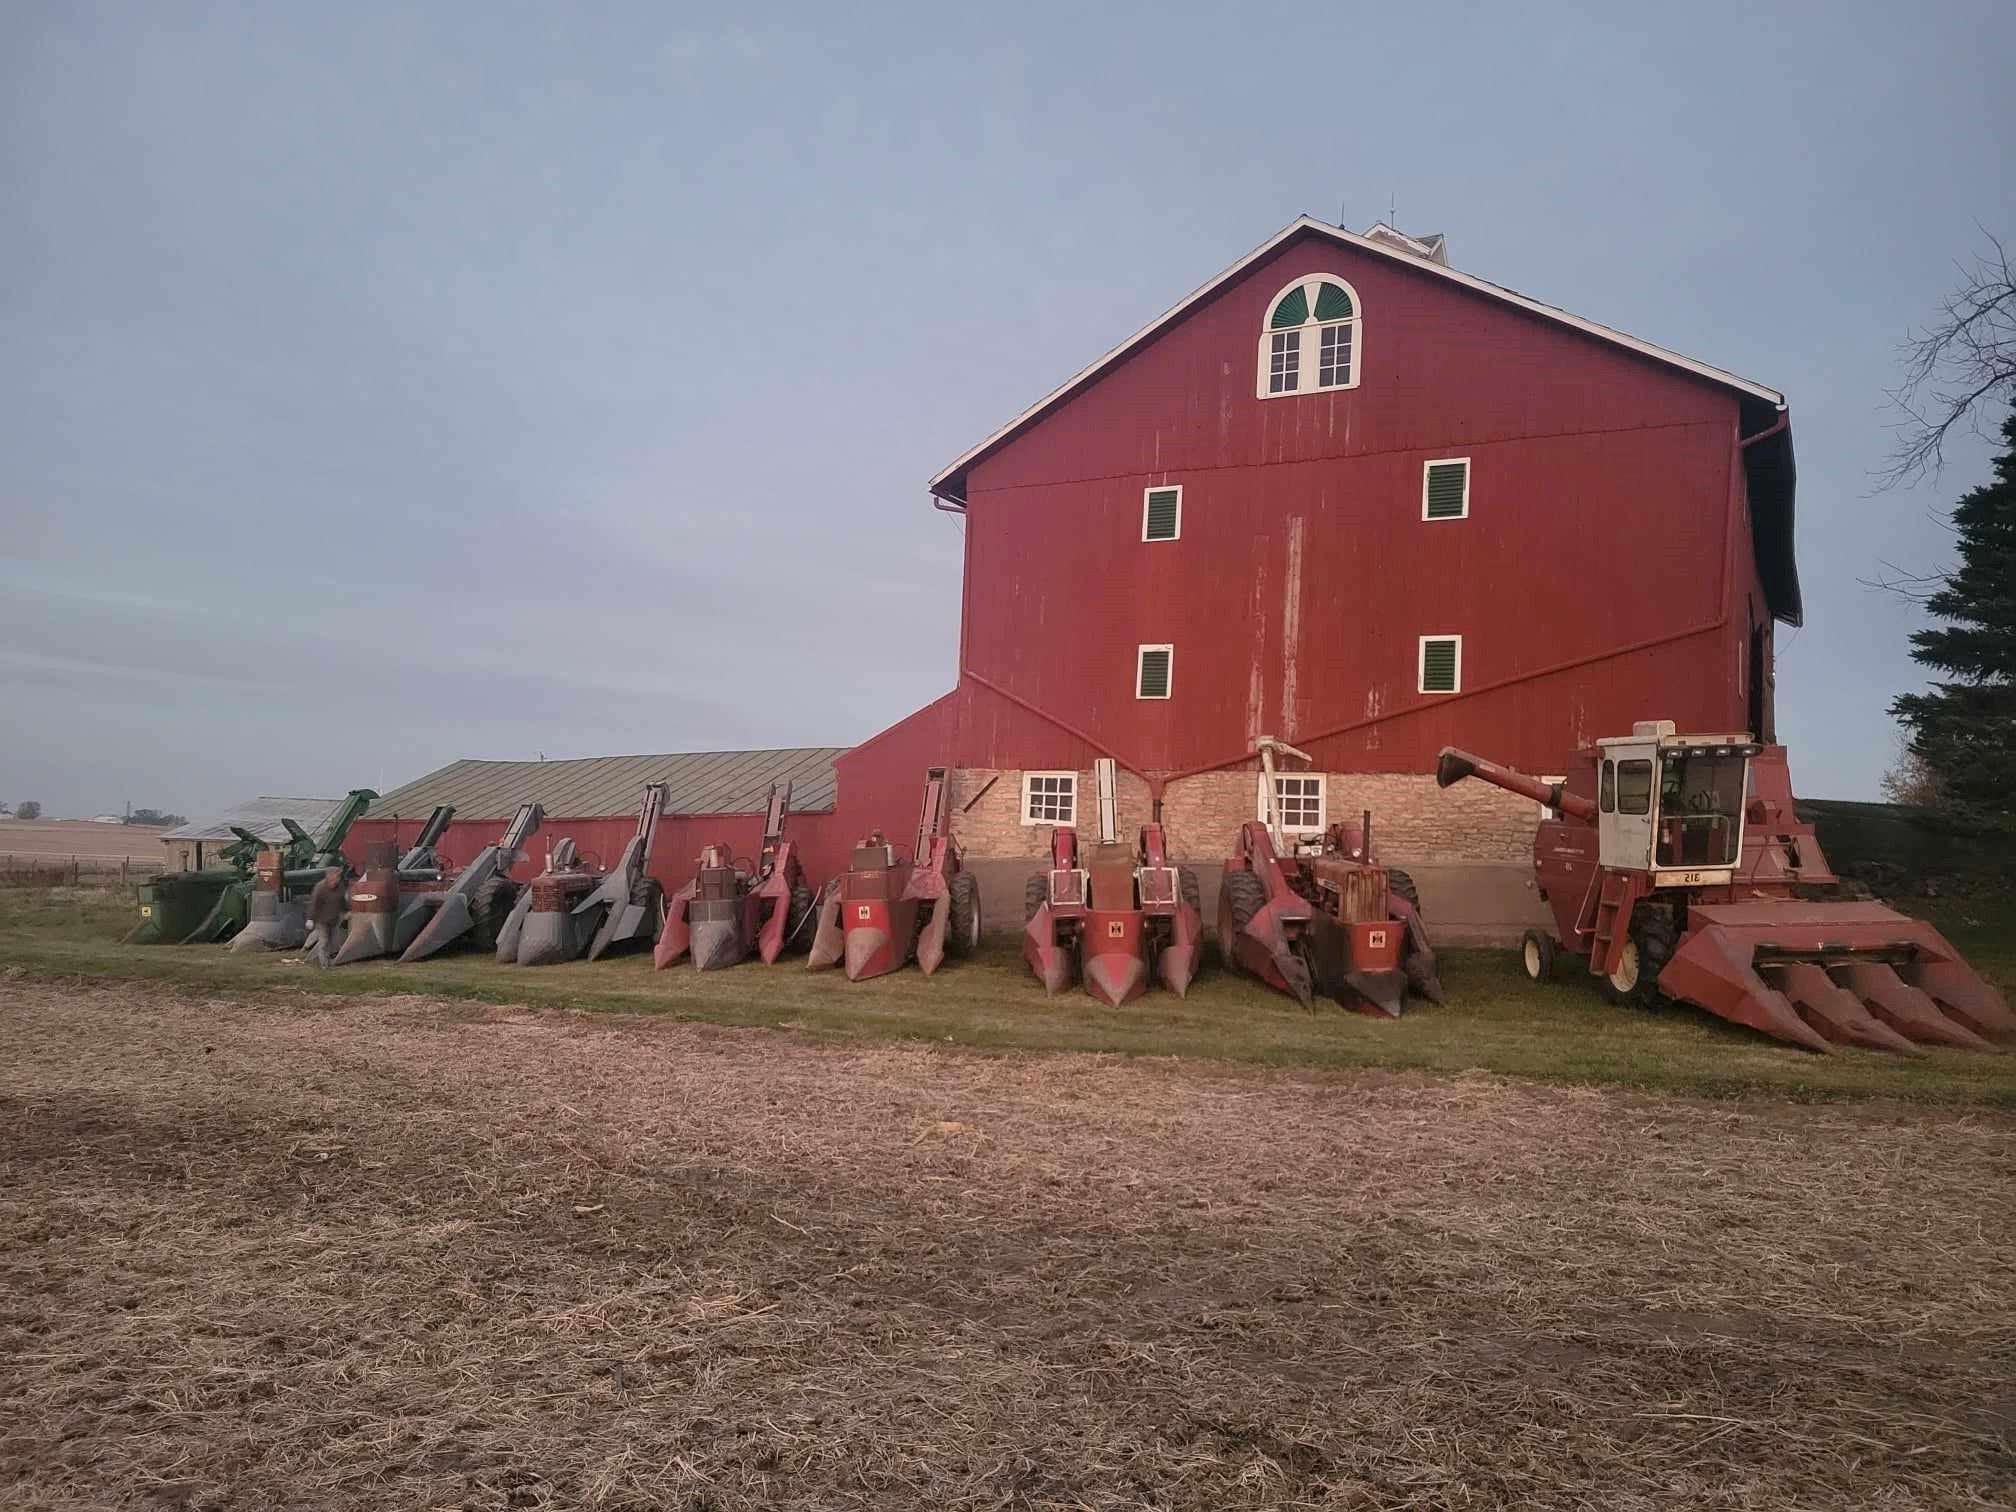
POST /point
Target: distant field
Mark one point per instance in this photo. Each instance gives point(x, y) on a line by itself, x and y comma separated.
point(53, 839)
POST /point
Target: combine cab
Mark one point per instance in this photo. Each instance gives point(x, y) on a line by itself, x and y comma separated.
point(394, 898)
point(729, 908)
point(482, 895)
point(1107, 921)
point(1333, 921)
point(277, 914)
point(1702, 882)
point(884, 911)
point(570, 910)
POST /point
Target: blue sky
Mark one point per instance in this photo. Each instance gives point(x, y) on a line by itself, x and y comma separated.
point(386, 384)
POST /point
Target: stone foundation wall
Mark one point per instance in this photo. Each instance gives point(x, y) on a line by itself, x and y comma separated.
point(1412, 819)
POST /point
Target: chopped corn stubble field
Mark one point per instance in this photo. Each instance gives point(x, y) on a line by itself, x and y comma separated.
point(299, 1251)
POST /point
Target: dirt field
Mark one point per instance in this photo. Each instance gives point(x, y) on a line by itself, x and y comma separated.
point(404, 1253)
point(60, 839)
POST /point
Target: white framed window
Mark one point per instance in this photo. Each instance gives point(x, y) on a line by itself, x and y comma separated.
point(1445, 489)
point(1162, 513)
point(1154, 671)
point(1049, 797)
point(1441, 665)
point(1312, 340)
point(1300, 796)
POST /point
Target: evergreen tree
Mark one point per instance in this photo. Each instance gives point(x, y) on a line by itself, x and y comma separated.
point(1965, 729)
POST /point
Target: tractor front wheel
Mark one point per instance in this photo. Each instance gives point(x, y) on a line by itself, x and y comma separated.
point(962, 922)
point(1536, 954)
point(1240, 896)
point(1632, 983)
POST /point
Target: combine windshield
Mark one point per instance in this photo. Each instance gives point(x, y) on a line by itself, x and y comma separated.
point(1700, 809)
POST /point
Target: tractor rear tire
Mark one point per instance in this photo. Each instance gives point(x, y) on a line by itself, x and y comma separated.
point(490, 908)
point(962, 922)
point(1188, 890)
point(1403, 883)
point(1035, 894)
point(802, 903)
point(1240, 896)
point(1634, 984)
point(1536, 956)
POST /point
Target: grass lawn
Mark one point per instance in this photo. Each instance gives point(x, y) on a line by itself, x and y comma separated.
point(1494, 1021)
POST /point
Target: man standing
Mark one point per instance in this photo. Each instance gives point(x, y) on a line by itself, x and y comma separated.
point(325, 915)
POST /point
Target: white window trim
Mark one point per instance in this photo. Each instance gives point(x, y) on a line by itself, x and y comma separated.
point(1434, 462)
point(1140, 656)
point(1421, 666)
point(1311, 341)
point(1028, 786)
point(1322, 802)
point(1155, 488)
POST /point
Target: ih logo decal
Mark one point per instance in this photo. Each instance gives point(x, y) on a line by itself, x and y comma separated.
point(863, 912)
point(1116, 929)
point(1375, 939)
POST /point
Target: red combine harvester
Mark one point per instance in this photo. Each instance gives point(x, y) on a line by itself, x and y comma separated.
point(1678, 860)
point(882, 912)
point(731, 908)
point(1106, 922)
point(1333, 921)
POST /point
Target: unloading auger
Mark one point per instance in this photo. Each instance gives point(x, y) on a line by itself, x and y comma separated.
point(1702, 881)
point(284, 876)
point(571, 909)
point(397, 894)
point(482, 895)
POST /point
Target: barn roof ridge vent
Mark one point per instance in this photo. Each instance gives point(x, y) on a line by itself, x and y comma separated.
point(1433, 247)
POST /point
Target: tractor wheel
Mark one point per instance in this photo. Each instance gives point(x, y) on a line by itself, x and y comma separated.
point(962, 923)
point(1536, 954)
point(1240, 896)
point(1035, 893)
point(1188, 890)
point(1402, 883)
point(803, 902)
point(490, 908)
point(1646, 952)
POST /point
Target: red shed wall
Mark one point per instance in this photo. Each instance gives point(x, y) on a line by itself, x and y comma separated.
point(1605, 539)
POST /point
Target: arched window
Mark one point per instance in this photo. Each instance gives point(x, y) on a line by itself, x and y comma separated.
point(1311, 338)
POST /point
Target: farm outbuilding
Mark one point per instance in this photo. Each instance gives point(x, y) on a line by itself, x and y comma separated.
point(192, 846)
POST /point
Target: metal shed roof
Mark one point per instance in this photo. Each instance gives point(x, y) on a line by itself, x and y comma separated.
point(262, 817)
point(700, 782)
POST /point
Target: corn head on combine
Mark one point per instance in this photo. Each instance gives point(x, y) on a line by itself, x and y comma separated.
point(885, 911)
point(572, 909)
point(731, 908)
point(1110, 917)
point(1677, 863)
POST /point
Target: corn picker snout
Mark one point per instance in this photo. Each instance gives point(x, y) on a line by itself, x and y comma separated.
point(885, 911)
point(731, 908)
point(1109, 916)
point(1678, 864)
point(1331, 920)
point(396, 894)
point(283, 876)
point(571, 909)
point(481, 897)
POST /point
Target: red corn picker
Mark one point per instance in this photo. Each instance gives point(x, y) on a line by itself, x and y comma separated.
point(1107, 920)
point(570, 909)
point(1333, 921)
point(1677, 863)
point(397, 894)
point(731, 908)
point(883, 911)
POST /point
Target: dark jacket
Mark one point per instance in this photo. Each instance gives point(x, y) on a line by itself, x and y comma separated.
point(325, 904)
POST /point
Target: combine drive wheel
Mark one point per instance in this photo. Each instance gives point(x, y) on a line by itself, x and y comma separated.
point(490, 908)
point(1188, 890)
point(1646, 952)
point(1035, 894)
point(962, 922)
point(1536, 954)
point(1240, 896)
point(1402, 883)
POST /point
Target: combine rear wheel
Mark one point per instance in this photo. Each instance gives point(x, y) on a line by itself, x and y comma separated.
point(1536, 954)
point(1645, 954)
point(962, 924)
point(1240, 896)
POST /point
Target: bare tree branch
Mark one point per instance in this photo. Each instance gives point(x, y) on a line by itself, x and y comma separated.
point(1952, 367)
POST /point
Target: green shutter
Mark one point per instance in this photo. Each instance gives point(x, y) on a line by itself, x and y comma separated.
point(1332, 303)
point(1438, 666)
point(1154, 674)
point(1160, 524)
point(1446, 484)
point(1292, 311)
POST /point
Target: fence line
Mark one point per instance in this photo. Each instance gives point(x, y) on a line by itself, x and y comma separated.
point(55, 871)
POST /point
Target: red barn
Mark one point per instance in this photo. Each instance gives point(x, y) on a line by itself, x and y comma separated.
point(1348, 496)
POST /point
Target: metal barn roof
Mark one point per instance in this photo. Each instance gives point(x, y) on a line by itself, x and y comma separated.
point(700, 782)
point(262, 817)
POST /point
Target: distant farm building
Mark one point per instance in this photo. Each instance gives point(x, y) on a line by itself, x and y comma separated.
point(192, 846)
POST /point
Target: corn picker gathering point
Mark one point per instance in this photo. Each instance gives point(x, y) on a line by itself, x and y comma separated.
point(883, 912)
point(482, 895)
point(728, 908)
point(1106, 921)
point(1679, 860)
point(393, 899)
point(1335, 922)
point(277, 912)
point(571, 909)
